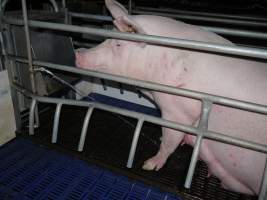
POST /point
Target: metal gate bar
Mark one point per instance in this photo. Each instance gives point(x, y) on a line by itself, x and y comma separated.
point(263, 190)
point(207, 19)
point(56, 122)
point(155, 87)
point(202, 127)
point(159, 40)
point(196, 13)
point(200, 131)
point(85, 127)
point(226, 31)
point(156, 120)
point(134, 142)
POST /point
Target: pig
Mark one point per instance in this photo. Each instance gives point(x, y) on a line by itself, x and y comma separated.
point(238, 169)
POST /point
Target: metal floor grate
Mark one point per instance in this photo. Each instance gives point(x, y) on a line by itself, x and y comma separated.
point(30, 171)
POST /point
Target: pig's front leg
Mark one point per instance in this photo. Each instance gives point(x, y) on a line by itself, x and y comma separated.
point(169, 141)
point(174, 109)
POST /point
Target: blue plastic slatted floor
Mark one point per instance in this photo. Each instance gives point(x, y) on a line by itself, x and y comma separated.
point(29, 171)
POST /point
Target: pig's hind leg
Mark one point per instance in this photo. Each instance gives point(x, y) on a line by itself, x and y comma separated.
point(228, 180)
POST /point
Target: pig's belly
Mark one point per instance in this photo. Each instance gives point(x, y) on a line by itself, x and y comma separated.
point(238, 169)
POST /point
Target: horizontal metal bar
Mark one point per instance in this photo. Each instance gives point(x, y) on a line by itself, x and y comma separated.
point(88, 45)
point(155, 86)
point(4, 2)
point(202, 126)
point(134, 142)
point(159, 121)
point(202, 18)
point(195, 45)
point(197, 13)
point(91, 16)
point(225, 31)
point(237, 32)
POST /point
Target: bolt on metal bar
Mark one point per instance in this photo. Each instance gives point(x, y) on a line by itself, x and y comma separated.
point(85, 127)
point(207, 19)
point(56, 122)
point(263, 190)
point(134, 142)
point(156, 87)
point(159, 40)
point(31, 117)
point(225, 31)
point(174, 11)
point(202, 127)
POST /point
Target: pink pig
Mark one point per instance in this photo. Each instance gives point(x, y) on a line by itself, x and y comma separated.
point(238, 169)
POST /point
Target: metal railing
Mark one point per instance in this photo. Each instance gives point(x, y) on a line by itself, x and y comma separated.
point(197, 13)
point(224, 31)
point(207, 99)
point(4, 3)
point(205, 19)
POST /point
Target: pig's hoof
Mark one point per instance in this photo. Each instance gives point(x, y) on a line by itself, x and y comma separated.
point(148, 166)
point(154, 163)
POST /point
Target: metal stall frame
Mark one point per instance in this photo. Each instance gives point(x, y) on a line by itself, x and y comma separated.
point(197, 13)
point(207, 99)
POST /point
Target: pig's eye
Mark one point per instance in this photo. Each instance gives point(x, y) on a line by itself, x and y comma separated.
point(118, 44)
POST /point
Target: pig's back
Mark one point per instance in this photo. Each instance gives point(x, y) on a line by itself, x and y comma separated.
point(167, 27)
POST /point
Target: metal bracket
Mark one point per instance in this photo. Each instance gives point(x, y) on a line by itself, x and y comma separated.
point(202, 127)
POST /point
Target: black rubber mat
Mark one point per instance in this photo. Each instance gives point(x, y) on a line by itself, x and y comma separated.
point(108, 143)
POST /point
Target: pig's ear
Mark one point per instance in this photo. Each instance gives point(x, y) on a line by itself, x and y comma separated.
point(123, 21)
point(116, 9)
point(127, 24)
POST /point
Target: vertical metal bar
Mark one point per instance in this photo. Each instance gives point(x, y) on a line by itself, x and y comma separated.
point(31, 120)
point(37, 121)
point(63, 2)
point(121, 88)
point(104, 85)
point(29, 54)
point(84, 129)
point(263, 190)
point(130, 6)
point(56, 123)
point(10, 68)
point(66, 16)
point(28, 44)
point(134, 142)
point(202, 127)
